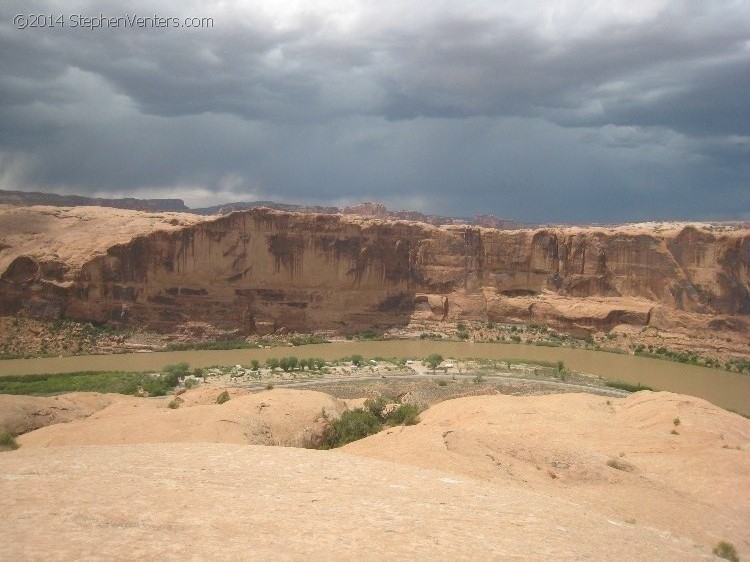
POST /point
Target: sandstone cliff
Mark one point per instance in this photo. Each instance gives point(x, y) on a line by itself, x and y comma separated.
point(310, 271)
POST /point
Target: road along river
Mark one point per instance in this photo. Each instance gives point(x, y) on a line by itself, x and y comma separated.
point(728, 390)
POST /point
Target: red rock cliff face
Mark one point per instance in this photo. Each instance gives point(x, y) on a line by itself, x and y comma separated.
point(305, 272)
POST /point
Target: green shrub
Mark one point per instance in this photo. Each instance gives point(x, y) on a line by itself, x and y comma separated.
point(254, 364)
point(7, 441)
point(351, 426)
point(726, 551)
point(376, 406)
point(357, 360)
point(434, 360)
point(627, 386)
point(405, 414)
point(317, 363)
point(307, 340)
point(175, 372)
point(209, 345)
point(620, 465)
point(272, 363)
point(288, 363)
point(174, 403)
point(478, 379)
point(222, 398)
point(442, 382)
point(368, 335)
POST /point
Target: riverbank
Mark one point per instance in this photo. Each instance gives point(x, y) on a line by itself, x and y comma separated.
point(725, 389)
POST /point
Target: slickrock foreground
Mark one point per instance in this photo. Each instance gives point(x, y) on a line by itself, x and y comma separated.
point(231, 502)
point(569, 476)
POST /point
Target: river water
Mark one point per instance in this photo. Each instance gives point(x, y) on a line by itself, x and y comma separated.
point(728, 390)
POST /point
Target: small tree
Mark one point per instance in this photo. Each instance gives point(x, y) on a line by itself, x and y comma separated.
point(434, 360)
point(272, 363)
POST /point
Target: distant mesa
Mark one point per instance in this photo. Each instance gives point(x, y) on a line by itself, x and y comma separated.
point(28, 198)
point(366, 209)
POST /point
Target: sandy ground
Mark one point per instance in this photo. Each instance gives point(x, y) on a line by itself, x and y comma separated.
point(694, 483)
point(482, 477)
point(239, 502)
point(276, 417)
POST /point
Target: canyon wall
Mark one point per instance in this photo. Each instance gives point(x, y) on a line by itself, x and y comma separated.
point(261, 270)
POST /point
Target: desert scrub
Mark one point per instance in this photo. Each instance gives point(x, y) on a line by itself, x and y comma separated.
point(368, 420)
point(405, 414)
point(620, 465)
point(174, 403)
point(726, 551)
point(7, 441)
point(222, 398)
point(351, 426)
point(627, 386)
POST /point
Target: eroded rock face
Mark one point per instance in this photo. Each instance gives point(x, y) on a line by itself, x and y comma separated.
point(259, 269)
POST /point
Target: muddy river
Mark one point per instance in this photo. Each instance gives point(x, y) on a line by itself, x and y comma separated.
point(728, 390)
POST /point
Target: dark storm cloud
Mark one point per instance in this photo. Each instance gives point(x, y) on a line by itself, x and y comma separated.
point(629, 111)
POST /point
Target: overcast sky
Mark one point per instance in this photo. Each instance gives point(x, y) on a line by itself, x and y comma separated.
point(549, 110)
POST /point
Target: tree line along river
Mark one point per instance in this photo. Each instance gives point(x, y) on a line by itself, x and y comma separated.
point(725, 389)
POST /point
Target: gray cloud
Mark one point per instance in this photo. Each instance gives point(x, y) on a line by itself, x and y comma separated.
point(624, 112)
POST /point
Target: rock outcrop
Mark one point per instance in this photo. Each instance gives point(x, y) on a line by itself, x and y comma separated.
point(260, 268)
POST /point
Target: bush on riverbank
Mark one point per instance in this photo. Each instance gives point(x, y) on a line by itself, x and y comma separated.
point(152, 384)
point(628, 386)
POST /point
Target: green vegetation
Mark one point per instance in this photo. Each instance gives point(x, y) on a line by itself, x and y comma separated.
point(174, 403)
point(254, 365)
point(627, 386)
point(222, 398)
point(368, 420)
point(405, 414)
point(272, 363)
point(430, 336)
point(368, 335)
point(433, 361)
point(208, 345)
point(620, 465)
point(176, 371)
point(7, 441)
point(351, 426)
point(307, 340)
point(726, 551)
point(119, 382)
point(288, 363)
